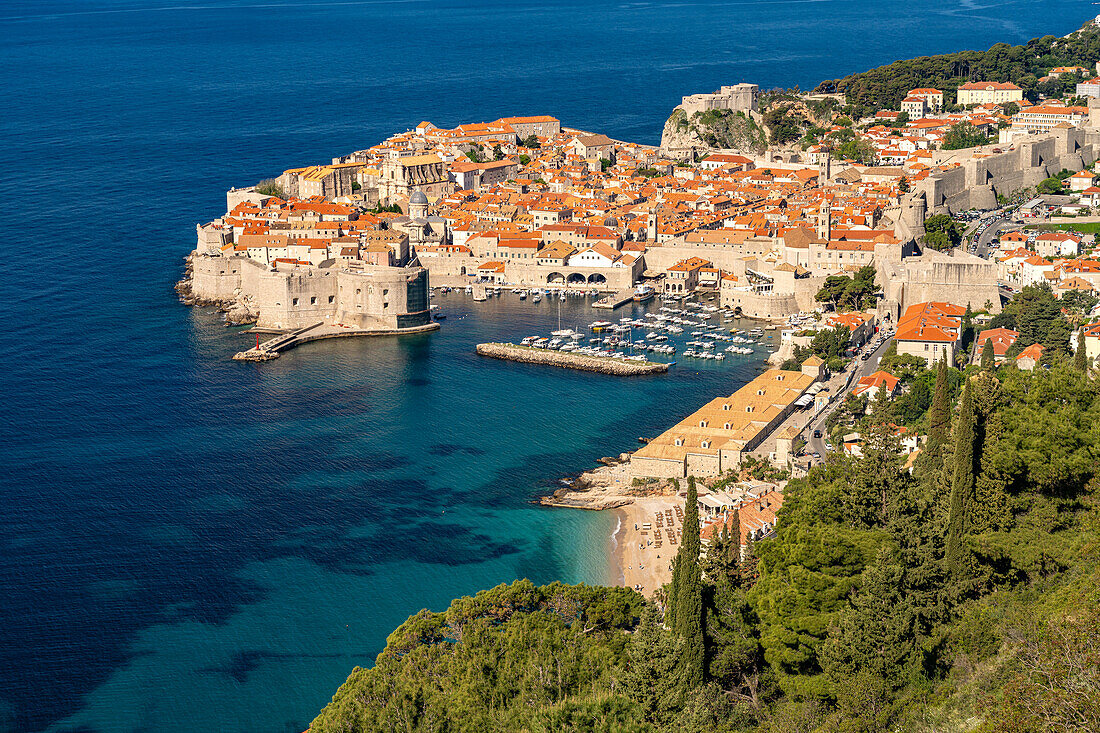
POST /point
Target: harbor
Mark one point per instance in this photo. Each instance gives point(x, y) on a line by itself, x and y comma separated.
point(672, 330)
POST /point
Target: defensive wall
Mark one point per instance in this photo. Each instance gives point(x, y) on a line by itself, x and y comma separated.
point(368, 297)
point(953, 277)
point(978, 181)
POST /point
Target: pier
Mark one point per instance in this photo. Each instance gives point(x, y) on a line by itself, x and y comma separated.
point(615, 300)
point(272, 348)
point(600, 364)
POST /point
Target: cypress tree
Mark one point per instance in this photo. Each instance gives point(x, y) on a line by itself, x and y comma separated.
point(1080, 361)
point(688, 590)
point(962, 483)
point(939, 416)
point(987, 354)
point(733, 544)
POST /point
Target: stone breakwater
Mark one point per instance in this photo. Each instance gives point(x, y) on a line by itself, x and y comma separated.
point(601, 365)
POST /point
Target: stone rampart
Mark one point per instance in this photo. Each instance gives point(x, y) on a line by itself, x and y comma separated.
point(366, 298)
point(978, 181)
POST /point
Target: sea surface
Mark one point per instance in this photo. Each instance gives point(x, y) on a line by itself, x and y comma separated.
point(188, 543)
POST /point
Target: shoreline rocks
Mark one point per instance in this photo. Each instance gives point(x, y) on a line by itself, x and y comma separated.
point(600, 365)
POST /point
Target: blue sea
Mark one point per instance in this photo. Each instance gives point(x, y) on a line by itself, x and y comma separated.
point(189, 543)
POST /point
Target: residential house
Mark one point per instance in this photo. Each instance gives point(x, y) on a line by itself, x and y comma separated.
point(930, 331)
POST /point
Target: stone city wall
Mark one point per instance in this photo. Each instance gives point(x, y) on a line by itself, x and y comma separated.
point(369, 298)
point(978, 182)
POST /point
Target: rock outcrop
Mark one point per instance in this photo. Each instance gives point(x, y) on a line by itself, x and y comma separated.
point(716, 129)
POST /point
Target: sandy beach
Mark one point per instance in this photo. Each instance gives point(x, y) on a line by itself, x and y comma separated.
point(644, 555)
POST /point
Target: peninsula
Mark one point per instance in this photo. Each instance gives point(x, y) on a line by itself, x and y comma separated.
point(355, 246)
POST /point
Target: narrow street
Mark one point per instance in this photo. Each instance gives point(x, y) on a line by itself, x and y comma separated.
point(840, 389)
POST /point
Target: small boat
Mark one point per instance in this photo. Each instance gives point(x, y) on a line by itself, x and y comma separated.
point(536, 298)
point(523, 295)
point(440, 315)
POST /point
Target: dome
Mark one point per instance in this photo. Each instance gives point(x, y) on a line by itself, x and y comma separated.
point(611, 222)
point(418, 197)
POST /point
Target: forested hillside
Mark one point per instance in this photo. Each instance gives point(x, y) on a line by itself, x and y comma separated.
point(964, 596)
point(884, 87)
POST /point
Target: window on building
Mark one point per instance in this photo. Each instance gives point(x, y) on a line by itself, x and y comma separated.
point(294, 302)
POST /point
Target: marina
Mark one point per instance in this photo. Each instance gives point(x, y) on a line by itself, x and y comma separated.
point(684, 332)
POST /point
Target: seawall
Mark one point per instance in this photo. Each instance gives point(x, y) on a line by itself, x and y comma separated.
point(601, 365)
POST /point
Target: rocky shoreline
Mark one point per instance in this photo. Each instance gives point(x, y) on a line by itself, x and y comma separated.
point(609, 486)
point(237, 312)
point(601, 365)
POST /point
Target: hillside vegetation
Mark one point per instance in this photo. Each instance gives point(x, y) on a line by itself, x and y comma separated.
point(964, 596)
point(884, 87)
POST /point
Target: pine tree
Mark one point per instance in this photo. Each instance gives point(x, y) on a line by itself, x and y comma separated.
point(939, 415)
point(688, 590)
point(653, 675)
point(962, 483)
point(987, 354)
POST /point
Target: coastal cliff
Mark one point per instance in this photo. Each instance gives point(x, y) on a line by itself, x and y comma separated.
point(717, 129)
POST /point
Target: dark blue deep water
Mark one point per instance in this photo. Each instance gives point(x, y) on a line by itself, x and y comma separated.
point(187, 543)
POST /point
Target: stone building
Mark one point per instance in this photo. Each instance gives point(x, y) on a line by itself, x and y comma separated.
point(288, 297)
point(988, 92)
point(737, 98)
point(398, 177)
point(715, 437)
point(540, 125)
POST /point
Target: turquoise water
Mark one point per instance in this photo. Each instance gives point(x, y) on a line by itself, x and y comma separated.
point(188, 543)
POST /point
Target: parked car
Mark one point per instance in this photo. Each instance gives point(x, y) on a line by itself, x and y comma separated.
point(817, 433)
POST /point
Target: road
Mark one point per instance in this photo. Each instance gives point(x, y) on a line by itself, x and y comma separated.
point(863, 368)
point(990, 233)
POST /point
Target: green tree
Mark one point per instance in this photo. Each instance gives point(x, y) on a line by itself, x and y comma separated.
point(531, 142)
point(988, 357)
point(1052, 186)
point(877, 634)
point(942, 232)
point(939, 416)
point(498, 152)
point(962, 483)
point(903, 184)
point(653, 676)
point(963, 135)
point(687, 618)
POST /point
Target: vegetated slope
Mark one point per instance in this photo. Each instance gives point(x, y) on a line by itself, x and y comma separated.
point(884, 87)
point(964, 596)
